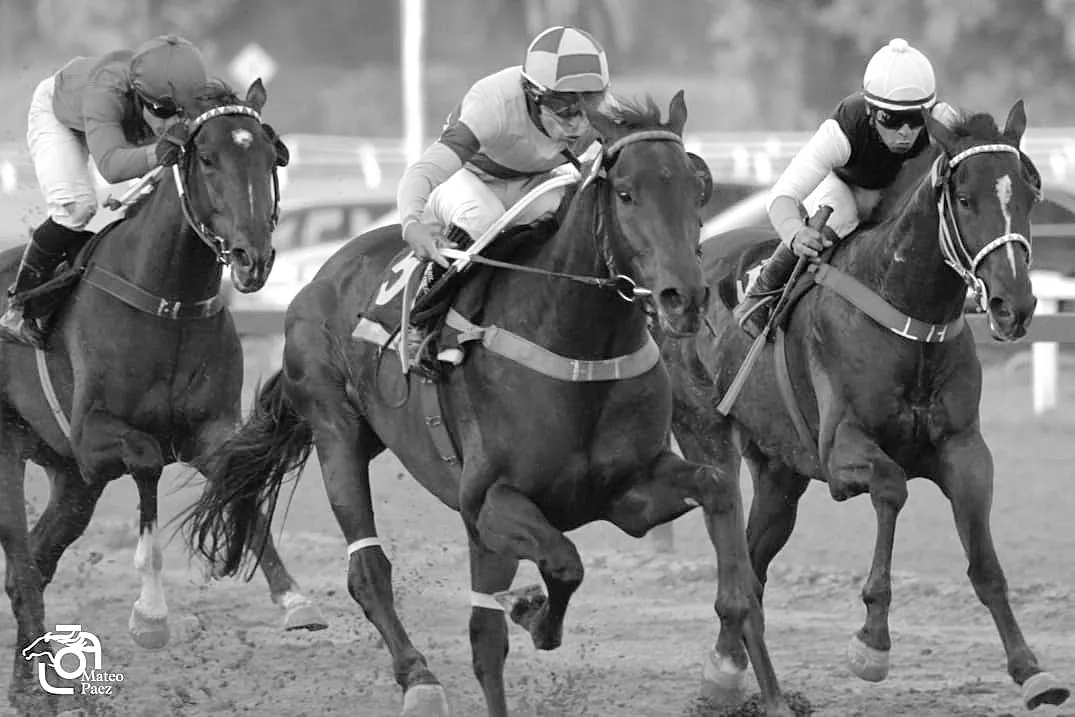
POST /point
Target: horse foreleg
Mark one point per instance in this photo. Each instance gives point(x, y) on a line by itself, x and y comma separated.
point(71, 505)
point(300, 612)
point(672, 487)
point(148, 623)
point(854, 459)
point(965, 475)
point(773, 510)
point(490, 574)
point(509, 523)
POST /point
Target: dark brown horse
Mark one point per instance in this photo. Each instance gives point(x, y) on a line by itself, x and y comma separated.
point(883, 380)
point(143, 367)
point(558, 423)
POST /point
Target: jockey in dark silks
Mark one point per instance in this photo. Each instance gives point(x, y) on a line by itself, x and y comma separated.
point(111, 109)
point(513, 130)
point(853, 155)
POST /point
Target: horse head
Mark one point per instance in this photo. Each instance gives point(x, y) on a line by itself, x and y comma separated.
point(227, 179)
point(987, 188)
point(653, 194)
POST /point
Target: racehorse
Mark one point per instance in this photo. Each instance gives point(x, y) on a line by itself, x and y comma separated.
point(557, 417)
point(873, 378)
point(143, 360)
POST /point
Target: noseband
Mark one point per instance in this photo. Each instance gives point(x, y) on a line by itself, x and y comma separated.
point(211, 239)
point(953, 246)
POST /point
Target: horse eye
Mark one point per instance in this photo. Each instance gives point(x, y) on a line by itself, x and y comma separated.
point(205, 159)
point(624, 197)
point(964, 200)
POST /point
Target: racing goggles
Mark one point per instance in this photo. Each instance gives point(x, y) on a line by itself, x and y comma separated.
point(895, 120)
point(164, 108)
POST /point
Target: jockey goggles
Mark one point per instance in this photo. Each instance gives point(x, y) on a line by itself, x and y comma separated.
point(895, 120)
point(563, 105)
point(164, 108)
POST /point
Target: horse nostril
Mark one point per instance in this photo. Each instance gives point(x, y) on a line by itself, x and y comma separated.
point(671, 300)
point(999, 307)
point(240, 257)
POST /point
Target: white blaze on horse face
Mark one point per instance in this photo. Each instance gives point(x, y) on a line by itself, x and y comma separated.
point(242, 137)
point(1004, 195)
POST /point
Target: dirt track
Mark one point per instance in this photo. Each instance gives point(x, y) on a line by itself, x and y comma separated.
point(638, 626)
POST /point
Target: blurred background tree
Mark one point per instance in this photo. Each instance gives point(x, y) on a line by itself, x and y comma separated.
point(746, 64)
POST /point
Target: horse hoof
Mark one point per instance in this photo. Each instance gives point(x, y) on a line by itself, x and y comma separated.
point(866, 662)
point(304, 616)
point(1044, 688)
point(149, 632)
point(723, 682)
point(426, 701)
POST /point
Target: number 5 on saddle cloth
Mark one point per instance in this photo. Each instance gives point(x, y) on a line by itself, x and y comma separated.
point(419, 306)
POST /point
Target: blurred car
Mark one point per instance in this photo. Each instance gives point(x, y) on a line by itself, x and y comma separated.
point(296, 266)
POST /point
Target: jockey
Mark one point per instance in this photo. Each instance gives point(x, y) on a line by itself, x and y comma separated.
point(855, 153)
point(110, 108)
point(511, 132)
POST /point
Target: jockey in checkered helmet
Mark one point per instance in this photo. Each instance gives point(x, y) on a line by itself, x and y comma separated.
point(565, 70)
point(512, 131)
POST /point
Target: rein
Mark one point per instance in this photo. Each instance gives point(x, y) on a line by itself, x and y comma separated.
point(624, 286)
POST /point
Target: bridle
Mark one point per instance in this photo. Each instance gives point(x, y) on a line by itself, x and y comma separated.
point(182, 168)
point(952, 244)
point(624, 286)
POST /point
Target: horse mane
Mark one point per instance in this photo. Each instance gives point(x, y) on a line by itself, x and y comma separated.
point(620, 117)
point(980, 127)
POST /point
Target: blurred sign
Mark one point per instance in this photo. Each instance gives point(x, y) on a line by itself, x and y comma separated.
point(251, 63)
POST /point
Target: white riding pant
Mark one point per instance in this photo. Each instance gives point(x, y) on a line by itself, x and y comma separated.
point(473, 204)
point(61, 162)
point(850, 205)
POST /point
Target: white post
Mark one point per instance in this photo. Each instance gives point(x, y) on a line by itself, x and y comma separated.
point(1046, 360)
point(1050, 287)
point(413, 29)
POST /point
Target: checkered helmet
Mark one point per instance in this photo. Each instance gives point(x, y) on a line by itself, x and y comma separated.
point(566, 59)
point(899, 78)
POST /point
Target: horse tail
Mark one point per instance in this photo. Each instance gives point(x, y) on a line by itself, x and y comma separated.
point(244, 475)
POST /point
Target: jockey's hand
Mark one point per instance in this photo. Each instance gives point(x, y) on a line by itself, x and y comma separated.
point(171, 144)
point(809, 242)
point(424, 239)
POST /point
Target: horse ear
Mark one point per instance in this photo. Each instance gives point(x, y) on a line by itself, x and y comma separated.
point(256, 95)
point(1016, 124)
point(677, 113)
point(939, 133)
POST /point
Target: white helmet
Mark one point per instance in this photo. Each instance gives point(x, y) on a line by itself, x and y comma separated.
point(899, 78)
point(566, 59)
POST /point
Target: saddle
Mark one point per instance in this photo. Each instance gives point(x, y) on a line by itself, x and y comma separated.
point(408, 278)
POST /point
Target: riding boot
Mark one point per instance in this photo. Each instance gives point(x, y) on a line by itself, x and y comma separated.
point(435, 295)
point(752, 313)
point(43, 253)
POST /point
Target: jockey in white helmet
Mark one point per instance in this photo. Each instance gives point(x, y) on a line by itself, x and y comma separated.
point(112, 109)
point(511, 132)
point(853, 155)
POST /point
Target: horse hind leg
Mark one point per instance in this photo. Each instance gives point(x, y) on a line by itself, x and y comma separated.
point(510, 524)
point(300, 612)
point(24, 584)
point(966, 477)
point(345, 445)
point(490, 575)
